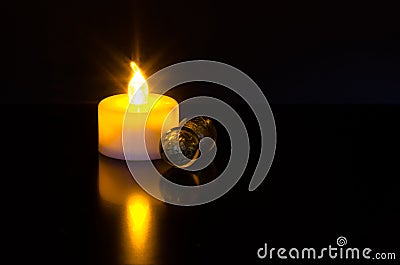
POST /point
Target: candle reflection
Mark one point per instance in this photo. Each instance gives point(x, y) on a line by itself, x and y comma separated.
point(116, 183)
point(139, 222)
point(135, 213)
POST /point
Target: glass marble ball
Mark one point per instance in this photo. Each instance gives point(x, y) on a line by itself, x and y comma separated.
point(185, 141)
point(203, 127)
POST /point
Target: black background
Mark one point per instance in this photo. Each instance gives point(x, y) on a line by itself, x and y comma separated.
point(330, 71)
point(297, 51)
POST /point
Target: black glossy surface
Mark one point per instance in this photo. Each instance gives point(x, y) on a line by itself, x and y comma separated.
point(335, 173)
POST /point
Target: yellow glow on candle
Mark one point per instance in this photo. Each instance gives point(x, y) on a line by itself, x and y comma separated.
point(138, 89)
point(139, 115)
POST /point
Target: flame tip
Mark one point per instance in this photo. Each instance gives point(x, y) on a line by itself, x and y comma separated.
point(137, 89)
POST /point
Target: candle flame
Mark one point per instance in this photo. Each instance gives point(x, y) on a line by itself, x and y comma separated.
point(138, 90)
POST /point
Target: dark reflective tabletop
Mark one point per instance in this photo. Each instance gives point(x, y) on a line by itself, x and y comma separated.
point(335, 174)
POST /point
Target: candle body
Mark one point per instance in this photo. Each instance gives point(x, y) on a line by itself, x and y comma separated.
point(114, 125)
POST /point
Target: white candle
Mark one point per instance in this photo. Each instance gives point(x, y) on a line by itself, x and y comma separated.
point(138, 105)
